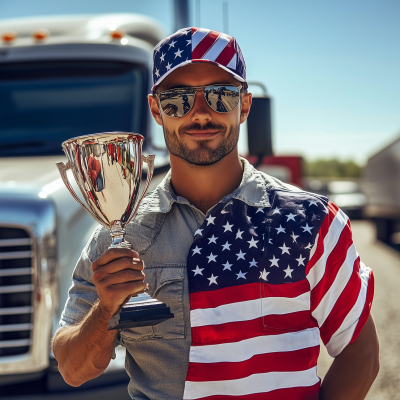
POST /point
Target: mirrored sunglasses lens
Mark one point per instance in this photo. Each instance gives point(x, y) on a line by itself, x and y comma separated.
point(222, 98)
point(176, 103)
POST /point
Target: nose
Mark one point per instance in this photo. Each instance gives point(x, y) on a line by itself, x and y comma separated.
point(201, 112)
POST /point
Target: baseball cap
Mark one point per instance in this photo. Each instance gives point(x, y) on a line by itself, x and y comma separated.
point(197, 45)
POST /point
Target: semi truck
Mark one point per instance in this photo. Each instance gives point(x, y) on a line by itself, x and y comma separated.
point(61, 77)
point(382, 176)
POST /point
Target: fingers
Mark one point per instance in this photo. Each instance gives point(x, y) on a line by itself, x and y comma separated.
point(118, 265)
point(133, 288)
point(118, 275)
point(113, 254)
point(124, 276)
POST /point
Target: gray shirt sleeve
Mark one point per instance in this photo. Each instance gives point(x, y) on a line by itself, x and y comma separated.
point(82, 293)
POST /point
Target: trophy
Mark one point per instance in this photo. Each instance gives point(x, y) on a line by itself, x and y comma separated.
point(108, 170)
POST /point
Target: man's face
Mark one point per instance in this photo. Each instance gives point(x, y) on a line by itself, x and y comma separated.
point(202, 136)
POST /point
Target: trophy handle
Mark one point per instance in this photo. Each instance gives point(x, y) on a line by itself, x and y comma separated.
point(63, 168)
point(150, 170)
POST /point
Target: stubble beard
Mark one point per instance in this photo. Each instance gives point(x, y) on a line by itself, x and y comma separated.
point(203, 155)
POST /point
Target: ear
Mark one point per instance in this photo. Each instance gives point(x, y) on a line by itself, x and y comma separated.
point(155, 112)
point(246, 105)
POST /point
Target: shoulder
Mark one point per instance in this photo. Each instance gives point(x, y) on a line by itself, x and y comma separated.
point(290, 196)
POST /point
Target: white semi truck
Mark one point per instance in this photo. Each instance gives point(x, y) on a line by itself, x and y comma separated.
point(60, 77)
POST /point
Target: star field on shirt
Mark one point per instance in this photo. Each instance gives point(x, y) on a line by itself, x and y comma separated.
point(240, 244)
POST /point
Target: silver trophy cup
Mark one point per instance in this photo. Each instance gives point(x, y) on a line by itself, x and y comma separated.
point(108, 170)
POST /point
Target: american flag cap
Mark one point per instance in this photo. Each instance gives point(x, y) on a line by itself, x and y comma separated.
point(197, 45)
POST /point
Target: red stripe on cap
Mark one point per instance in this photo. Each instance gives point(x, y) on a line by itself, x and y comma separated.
point(226, 54)
point(205, 45)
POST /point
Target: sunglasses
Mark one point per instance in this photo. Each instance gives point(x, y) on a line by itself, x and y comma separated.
point(178, 102)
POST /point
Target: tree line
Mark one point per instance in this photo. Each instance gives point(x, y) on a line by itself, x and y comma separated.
point(332, 168)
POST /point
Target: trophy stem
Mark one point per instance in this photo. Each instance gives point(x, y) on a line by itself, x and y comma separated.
point(117, 234)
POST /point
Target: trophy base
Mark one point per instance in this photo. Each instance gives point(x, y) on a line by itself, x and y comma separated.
point(141, 310)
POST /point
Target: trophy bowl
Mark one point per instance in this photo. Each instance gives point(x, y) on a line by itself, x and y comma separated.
point(107, 168)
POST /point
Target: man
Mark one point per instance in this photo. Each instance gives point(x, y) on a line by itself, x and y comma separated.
point(255, 271)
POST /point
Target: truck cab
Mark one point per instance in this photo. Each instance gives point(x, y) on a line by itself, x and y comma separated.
point(60, 77)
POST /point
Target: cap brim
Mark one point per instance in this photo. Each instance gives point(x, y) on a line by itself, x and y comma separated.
point(197, 61)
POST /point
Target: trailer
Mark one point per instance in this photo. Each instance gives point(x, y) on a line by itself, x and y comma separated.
point(382, 183)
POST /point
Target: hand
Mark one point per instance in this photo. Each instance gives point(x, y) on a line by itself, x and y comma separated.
point(118, 275)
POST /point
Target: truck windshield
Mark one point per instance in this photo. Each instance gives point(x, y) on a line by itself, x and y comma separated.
point(44, 103)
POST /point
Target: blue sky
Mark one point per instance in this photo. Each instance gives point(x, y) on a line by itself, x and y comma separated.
point(331, 67)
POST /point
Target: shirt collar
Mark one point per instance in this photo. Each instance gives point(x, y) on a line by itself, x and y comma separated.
point(252, 190)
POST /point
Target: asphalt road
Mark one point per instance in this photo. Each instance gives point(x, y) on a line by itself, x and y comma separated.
point(385, 263)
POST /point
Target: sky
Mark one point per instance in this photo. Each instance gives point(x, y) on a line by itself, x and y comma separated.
point(332, 68)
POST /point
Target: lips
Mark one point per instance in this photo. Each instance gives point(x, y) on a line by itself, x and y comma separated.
point(198, 131)
point(202, 133)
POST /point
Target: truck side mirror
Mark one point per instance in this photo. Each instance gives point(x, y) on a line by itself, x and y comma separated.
point(259, 127)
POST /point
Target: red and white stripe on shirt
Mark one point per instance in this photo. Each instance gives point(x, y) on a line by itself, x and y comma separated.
point(252, 356)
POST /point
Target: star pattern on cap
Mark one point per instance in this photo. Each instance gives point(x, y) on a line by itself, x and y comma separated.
point(181, 46)
point(178, 53)
point(172, 44)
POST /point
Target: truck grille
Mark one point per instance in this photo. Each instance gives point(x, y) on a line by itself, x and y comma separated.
point(16, 287)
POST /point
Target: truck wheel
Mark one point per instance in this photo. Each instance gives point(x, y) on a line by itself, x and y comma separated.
point(384, 229)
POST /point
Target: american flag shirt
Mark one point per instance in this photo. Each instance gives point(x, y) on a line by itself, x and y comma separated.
point(265, 284)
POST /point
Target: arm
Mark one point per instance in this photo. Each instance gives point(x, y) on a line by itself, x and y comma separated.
point(354, 369)
point(84, 350)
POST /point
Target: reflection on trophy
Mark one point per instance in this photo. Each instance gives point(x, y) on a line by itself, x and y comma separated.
point(108, 170)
